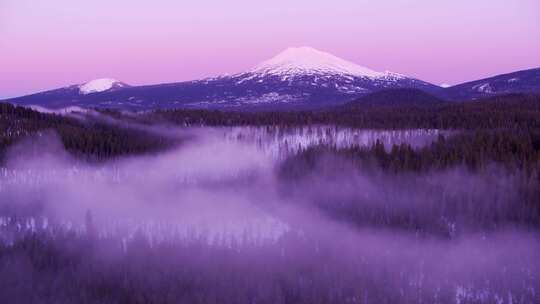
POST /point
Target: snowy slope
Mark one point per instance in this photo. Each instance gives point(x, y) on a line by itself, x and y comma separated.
point(307, 60)
point(100, 85)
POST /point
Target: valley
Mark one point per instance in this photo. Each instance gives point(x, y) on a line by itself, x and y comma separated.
point(274, 206)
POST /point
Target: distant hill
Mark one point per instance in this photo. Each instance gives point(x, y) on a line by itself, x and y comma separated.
point(396, 97)
point(526, 81)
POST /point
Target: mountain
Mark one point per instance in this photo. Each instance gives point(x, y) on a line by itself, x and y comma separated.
point(396, 97)
point(74, 95)
point(526, 81)
point(101, 85)
point(296, 78)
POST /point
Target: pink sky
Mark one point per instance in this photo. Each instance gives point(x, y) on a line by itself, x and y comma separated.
point(46, 44)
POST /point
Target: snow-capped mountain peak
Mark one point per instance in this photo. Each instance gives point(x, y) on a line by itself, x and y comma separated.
point(100, 85)
point(307, 60)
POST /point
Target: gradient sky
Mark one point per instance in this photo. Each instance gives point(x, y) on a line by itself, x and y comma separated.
point(46, 44)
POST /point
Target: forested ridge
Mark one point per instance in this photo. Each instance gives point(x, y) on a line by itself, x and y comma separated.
point(503, 129)
point(516, 111)
point(499, 128)
point(513, 149)
point(85, 138)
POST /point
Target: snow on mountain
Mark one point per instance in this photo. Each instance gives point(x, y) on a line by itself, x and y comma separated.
point(483, 88)
point(100, 85)
point(307, 60)
point(297, 78)
point(525, 81)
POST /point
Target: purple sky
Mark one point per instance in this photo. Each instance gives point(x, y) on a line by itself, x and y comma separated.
point(46, 44)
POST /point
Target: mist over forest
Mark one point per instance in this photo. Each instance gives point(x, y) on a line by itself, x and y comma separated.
point(269, 152)
point(370, 205)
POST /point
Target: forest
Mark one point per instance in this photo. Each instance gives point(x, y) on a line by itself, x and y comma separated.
point(90, 139)
point(353, 204)
point(517, 111)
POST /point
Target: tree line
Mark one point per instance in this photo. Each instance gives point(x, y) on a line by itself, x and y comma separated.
point(87, 138)
point(516, 111)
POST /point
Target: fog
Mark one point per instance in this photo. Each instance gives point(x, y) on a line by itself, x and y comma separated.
point(336, 232)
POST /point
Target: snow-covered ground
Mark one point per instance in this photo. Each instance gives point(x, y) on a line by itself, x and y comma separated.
point(280, 142)
point(100, 85)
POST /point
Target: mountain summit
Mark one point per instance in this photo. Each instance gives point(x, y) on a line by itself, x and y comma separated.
point(100, 85)
point(307, 60)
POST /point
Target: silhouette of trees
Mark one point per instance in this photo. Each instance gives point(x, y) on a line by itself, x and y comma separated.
point(87, 139)
point(510, 111)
